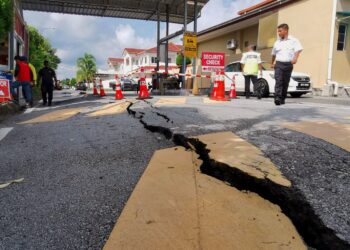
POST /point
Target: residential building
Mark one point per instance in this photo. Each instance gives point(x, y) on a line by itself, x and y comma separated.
point(17, 42)
point(134, 59)
point(322, 26)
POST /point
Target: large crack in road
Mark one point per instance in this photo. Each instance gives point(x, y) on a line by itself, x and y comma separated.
point(290, 199)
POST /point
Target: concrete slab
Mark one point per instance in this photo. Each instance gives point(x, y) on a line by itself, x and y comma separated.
point(332, 132)
point(110, 109)
point(226, 147)
point(174, 206)
point(54, 116)
point(169, 101)
point(206, 100)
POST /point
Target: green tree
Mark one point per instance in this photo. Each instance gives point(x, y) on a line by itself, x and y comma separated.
point(73, 82)
point(40, 49)
point(86, 68)
point(6, 18)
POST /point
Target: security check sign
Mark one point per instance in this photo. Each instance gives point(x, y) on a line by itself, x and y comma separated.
point(213, 62)
point(4, 90)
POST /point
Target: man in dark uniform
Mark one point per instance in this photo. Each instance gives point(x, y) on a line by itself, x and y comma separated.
point(285, 54)
point(48, 77)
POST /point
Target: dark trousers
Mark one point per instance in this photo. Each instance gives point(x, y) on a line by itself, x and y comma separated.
point(283, 72)
point(47, 93)
point(248, 79)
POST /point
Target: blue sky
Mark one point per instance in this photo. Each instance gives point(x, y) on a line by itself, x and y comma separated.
point(72, 36)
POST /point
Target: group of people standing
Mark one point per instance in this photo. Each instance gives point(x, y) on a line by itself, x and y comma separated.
point(26, 77)
point(285, 54)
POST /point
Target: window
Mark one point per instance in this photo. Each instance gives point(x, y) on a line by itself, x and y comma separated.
point(229, 68)
point(234, 67)
point(341, 37)
point(154, 59)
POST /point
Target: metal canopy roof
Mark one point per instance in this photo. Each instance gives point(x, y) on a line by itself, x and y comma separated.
point(133, 9)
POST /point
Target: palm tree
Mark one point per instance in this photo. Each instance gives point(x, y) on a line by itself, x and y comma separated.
point(86, 67)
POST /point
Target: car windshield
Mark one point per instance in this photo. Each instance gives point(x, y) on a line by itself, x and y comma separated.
point(233, 67)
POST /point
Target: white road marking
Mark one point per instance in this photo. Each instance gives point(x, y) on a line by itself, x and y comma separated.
point(42, 108)
point(4, 132)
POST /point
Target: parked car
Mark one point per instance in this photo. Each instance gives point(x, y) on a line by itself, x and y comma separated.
point(129, 84)
point(81, 86)
point(112, 85)
point(299, 85)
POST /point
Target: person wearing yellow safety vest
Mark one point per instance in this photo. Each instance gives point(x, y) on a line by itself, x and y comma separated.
point(251, 64)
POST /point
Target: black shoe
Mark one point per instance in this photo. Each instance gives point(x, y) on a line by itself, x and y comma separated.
point(283, 102)
point(247, 97)
point(49, 104)
point(44, 103)
point(277, 102)
point(259, 97)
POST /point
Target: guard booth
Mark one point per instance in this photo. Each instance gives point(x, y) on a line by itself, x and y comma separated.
point(168, 11)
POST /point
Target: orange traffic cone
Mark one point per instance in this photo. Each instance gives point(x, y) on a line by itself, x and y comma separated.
point(215, 87)
point(118, 89)
point(102, 91)
point(143, 93)
point(233, 93)
point(95, 88)
point(220, 91)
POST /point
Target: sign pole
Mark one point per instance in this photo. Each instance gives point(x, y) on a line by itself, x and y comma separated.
point(195, 31)
point(184, 57)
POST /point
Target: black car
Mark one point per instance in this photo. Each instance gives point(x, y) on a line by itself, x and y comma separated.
point(129, 84)
point(81, 86)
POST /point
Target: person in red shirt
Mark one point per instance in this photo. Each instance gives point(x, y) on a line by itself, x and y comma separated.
point(23, 78)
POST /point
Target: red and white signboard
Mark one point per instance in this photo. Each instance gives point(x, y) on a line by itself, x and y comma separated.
point(5, 95)
point(213, 61)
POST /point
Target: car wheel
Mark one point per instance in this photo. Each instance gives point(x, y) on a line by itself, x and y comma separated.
point(262, 88)
point(296, 95)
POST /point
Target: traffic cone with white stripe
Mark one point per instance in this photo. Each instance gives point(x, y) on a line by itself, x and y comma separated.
point(233, 93)
point(102, 91)
point(220, 90)
point(143, 93)
point(118, 89)
point(95, 88)
point(215, 87)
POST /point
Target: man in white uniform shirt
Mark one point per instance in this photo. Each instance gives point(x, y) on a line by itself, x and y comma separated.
point(285, 54)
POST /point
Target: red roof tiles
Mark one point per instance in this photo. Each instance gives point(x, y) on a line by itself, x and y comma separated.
point(255, 7)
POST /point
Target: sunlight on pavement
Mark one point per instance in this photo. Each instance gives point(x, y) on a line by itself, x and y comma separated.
point(229, 148)
point(174, 206)
point(207, 100)
point(332, 132)
point(54, 116)
point(171, 101)
point(110, 109)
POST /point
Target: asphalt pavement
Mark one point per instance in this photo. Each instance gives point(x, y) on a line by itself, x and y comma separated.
point(80, 170)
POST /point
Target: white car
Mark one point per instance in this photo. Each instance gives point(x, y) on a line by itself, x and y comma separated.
point(299, 85)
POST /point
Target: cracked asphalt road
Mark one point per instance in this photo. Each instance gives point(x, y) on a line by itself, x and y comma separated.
point(78, 173)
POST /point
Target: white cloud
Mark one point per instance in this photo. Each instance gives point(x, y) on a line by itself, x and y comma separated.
point(126, 37)
point(66, 71)
point(218, 11)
